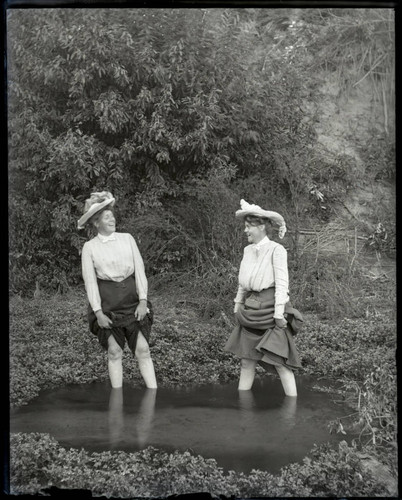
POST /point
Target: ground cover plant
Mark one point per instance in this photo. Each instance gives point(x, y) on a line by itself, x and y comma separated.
point(187, 349)
point(39, 463)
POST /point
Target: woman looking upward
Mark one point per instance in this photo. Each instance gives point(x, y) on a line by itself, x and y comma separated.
point(117, 288)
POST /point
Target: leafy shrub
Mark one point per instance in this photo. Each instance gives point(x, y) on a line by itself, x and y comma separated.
point(362, 359)
point(375, 419)
point(165, 110)
point(162, 120)
point(327, 472)
point(39, 463)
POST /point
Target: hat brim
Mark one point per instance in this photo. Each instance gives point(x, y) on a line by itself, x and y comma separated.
point(96, 207)
point(265, 214)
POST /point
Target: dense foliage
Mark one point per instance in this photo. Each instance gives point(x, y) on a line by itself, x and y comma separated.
point(180, 113)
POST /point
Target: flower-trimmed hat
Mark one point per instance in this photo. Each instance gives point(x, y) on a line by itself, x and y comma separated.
point(247, 209)
point(96, 202)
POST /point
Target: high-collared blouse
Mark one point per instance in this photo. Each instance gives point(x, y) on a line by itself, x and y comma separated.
point(114, 258)
point(265, 265)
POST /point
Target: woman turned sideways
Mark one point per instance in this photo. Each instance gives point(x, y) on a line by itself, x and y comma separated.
point(266, 322)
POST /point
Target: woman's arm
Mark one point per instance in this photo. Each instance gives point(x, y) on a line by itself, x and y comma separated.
point(90, 280)
point(243, 276)
point(239, 299)
point(141, 281)
point(91, 287)
point(281, 275)
point(139, 270)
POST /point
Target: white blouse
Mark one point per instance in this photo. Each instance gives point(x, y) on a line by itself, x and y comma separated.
point(265, 265)
point(113, 258)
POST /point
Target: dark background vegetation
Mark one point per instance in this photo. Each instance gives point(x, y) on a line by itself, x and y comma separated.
point(180, 113)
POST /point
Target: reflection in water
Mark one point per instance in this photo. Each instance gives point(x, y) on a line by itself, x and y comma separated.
point(259, 428)
point(284, 416)
point(246, 406)
point(115, 416)
point(143, 420)
point(246, 400)
point(287, 411)
point(145, 416)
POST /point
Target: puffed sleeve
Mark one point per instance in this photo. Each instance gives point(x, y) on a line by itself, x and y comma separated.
point(90, 280)
point(139, 271)
point(281, 276)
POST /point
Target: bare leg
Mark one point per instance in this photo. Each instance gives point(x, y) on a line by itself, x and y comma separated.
point(288, 380)
point(115, 367)
point(145, 364)
point(247, 373)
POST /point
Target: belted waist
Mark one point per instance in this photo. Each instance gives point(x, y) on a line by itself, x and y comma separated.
point(116, 284)
point(260, 300)
point(265, 295)
point(259, 308)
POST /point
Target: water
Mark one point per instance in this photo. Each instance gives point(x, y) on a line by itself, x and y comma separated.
point(241, 430)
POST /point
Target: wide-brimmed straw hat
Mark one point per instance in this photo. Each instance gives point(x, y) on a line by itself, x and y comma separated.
point(96, 202)
point(248, 209)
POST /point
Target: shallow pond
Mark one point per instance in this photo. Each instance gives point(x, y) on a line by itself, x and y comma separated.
point(241, 430)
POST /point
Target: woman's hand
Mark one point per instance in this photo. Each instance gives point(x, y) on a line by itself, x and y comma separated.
point(103, 320)
point(281, 323)
point(141, 310)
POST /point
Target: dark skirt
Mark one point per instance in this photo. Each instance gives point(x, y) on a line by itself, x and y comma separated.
point(119, 301)
point(257, 337)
